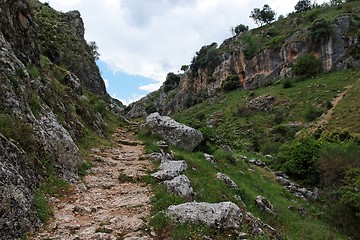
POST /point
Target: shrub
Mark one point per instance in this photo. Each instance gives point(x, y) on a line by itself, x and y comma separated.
point(312, 113)
point(299, 159)
point(150, 109)
point(251, 45)
point(335, 159)
point(351, 190)
point(320, 31)
point(340, 136)
point(287, 83)
point(171, 82)
point(42, 207)
point(241, 28)
point(231, 82)
point(307, 65)
point(222, 154)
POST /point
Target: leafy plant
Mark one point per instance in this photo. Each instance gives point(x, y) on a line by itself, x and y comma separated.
point(312, 113)
point(351, 190)
point(231, 82)
point(320, 31)
point(171, 82)
point(307, 65)
point(263, 16)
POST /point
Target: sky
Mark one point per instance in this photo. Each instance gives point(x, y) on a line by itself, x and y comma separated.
point(140, 41)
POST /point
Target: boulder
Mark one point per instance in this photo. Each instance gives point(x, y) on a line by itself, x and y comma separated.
point(174, 133)
point(180, 186)
point(224, 215)
point(170, 170)
point(227, 180)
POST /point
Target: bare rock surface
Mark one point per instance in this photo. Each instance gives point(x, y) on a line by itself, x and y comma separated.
point(101, 207)
point(224, 215)
point(170, 169)
point(180, 186)
point(173, 132)
point(227, 180)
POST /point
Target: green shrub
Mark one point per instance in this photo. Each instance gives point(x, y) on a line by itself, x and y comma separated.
point(312, 113)
point(299, 159)
point(287, 83)
point(251, 45)
point(171, 82)
point(350, 192)
point(231, 82)
point(320, 31)
point(150, 109)
point(335, 159)
point(340, 136)
point(307, 65)
point(224, 155)
point(270, 148)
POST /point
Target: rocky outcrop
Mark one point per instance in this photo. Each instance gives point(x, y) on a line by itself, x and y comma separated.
point(264, 204)
point(268, 65)
point(224, 215)
point(173, 132)
point(42, 113)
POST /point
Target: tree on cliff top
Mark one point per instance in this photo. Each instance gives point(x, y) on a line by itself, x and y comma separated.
point(263, 16)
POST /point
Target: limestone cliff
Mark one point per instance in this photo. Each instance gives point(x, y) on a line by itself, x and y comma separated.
point(262, 56)
point(47, 102)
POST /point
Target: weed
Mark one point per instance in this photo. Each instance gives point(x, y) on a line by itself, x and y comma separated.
point(42, 206)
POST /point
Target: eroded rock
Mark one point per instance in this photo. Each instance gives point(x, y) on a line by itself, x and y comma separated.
point(181, 186)
point(173, 132)
point(224, 215)
point(170, 170)
point(227, 180)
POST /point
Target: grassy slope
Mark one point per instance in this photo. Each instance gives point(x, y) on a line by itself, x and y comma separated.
point(293, 101)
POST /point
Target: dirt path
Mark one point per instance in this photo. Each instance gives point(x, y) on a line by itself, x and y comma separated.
point(325, 119)
point(101, 207)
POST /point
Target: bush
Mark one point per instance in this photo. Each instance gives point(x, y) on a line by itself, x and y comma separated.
point(320, 31)
point(251, 45)
point(171, 82)
point(335, 159)
point(351, 190)
point(232, 82)
point(312, 113)
point(307, 65)
point(299, 159)
point(287, 83)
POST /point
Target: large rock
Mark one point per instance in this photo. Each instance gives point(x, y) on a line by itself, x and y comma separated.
point(180, 186)
point(170, 170)
point(224, 215)
point(174, 133)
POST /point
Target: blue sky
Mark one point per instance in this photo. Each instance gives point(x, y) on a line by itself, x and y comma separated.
point(122, 86)
point(140, 41)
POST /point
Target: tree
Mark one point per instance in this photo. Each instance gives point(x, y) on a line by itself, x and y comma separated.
point(184, 68)
point(241, 28)
point(94, 50)
point(303, 6)
point(263, 16)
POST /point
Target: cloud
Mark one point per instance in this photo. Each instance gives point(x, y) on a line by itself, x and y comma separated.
point(150, 87)
point(126, 102)
point(152, 38)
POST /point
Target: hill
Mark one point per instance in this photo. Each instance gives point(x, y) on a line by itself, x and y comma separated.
point(284, 96)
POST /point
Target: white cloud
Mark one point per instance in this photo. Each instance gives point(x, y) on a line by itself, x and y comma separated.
point(150, 87)
point(152, 38)
point(126, 102)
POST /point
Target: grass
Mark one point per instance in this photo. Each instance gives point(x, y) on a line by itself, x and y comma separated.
point(246, 130)
point(202, 174)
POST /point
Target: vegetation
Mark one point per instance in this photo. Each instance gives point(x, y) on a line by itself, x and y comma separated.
point(303, 6)
point(307, 65)
point(263, 16)
point(232, 82)
point(171, 82)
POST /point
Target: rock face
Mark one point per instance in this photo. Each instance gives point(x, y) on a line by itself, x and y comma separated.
point(224, 215)
point(17, 213)
point(266, 66)
point(42, 111)
point(173, 132)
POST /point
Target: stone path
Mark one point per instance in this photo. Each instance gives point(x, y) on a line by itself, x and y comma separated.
point(101, 206)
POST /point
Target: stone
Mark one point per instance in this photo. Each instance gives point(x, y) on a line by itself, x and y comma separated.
point(170, 169)
point(265, 204)
point(224, 215)
point(181, 186)
point(174, 133)
point(209, 158)
point(227, 180)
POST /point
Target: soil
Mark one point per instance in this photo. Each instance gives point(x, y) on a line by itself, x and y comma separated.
point(104, 205)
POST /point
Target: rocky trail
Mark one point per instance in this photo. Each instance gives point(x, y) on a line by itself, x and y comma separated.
point(107, 204)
